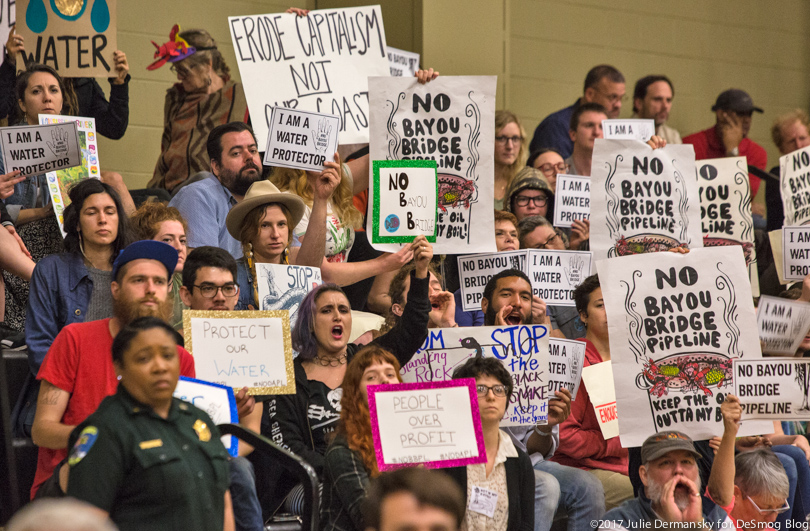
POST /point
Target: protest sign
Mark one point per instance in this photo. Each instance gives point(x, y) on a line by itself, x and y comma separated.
point(775, 239)
point(643, 200)
point(407, 201)
point(783, 324)
point(216, 400)
point(565, 360)
point(242, 348)
point(555, 274)
point(60, 182)
point(572, 199)
point(449, 120)
point(436, 424)
point(319, 63)
point(628, 129)
point(284, 286)
point(301, 140)
point(7, 19)
point(773, 388)
point(402, 63)
point(794, 169)
point(675, 326)
point(598, 380)
point(795, 255)
point(35, 149)
point(474, 271)
point(523, 350)
point(74, 40)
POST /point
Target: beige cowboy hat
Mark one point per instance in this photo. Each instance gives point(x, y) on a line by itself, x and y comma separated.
point(263, 193)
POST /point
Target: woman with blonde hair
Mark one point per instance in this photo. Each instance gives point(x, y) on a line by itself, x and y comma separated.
point(510, 152)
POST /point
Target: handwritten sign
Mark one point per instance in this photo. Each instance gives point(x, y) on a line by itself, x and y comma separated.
point(629, 129)
point(242, 348)
point(523, 350)
point(301, 140)
point(783, 324)
point(436, 424)
point(476, 270)
point(773, 388)
point(572, 199)
point(795, 184)
point(283, 286)
point(402, 63)
point(407, 201)
point(565, 360)
point(555, 274)
point(317, 63)
point(598, 379)
point(449, 120)
point(35, 149)
point(795, 253)
point(675, 327)
point(643, 200)
point(75, 39)
point(216, 400)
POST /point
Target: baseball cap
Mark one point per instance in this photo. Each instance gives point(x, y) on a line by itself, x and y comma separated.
point(735, 100)
point(150, 249)
point(664, 442)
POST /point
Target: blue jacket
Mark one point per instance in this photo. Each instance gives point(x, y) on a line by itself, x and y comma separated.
point(553, 132)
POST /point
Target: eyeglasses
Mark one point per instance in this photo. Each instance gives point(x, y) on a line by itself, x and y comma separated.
point(497, 390)
point(551, 169)
point(779, 510)
point(548, 242)
point(612, 98)
point(209, 291)
point(507, 139)
point(523, 200)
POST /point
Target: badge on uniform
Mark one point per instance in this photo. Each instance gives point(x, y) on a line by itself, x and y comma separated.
point(83, 444)
point(202, 430)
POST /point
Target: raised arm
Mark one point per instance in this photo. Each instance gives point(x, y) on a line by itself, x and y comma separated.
point(721, 478)
point(323, 184)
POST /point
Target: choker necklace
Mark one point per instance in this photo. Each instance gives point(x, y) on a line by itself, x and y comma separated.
point(330, 362)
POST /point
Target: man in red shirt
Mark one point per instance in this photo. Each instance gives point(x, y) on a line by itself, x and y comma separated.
point(729, 135)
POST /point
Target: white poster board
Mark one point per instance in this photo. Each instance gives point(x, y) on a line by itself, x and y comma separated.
point(317, 63)
point(301, 140)
point(643, 200)
point(782, 324)
point(628, 129)
point(598, 380)
point(773, 388)
point(474, 271)
point(565, 364)
point(216, 400)
point(36, 149)
point(283, 286)
point(402, 63)
point(572, 199)
point(795, 253)
point(555, 274)
point(450, 120)
point(407, 202)
point(794, 170)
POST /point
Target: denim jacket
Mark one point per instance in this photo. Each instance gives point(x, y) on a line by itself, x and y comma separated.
point(25, 193)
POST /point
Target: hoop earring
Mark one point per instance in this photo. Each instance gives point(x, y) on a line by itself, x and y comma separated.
point(209, 81)
point(81, 245)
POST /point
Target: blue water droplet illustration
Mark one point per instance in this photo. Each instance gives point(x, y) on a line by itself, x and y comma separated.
point(100, 16)
point(36, 17)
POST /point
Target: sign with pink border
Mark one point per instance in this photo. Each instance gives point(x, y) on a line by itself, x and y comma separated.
point(435, 424)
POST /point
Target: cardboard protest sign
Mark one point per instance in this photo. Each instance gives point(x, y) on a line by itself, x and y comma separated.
point(795, 255)
point(35, 149)
point(628, 129)
point(794, 170)
point(66, 35)
point(284, 286)
point(474, 271)
point(675, 327)
point(598, 380)
point(317, 63)
point(242, 348)
point(216, 400)
point(773, 388)
point(555, 274)
point(783, 324)
point(449, 120)
point(565, 361)
point(407, 200)
point(435, 424)
point(402, 63)
point(60, 182)
point(523, 350)
point(301, 140)
point(572, 199)
point(643, 200)
point(7, 18)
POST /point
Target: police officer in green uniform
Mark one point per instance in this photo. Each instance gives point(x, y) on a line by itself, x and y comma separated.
point(147, 459)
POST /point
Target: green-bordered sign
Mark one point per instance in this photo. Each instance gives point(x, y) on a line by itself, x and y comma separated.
point(406, 203)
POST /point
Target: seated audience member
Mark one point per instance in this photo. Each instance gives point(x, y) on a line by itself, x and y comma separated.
point(133, 456)
point(585, 128)
point(59, 515)
point(156, 221)
point(510, 153)
point(728, 137)
point(652, 99)
point(350, 460)
point(550, 163)
point(581, 442)
point(604, 85)
point(790, 131)
point(442, 305)
point(415, 499)
point(235, 165)
point(508, 471)
point(78, 373)
point(14, 257)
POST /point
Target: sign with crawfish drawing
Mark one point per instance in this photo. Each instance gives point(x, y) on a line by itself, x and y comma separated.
point(675, 327)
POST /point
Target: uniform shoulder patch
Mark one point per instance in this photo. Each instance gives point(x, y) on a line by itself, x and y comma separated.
point(86, 440)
